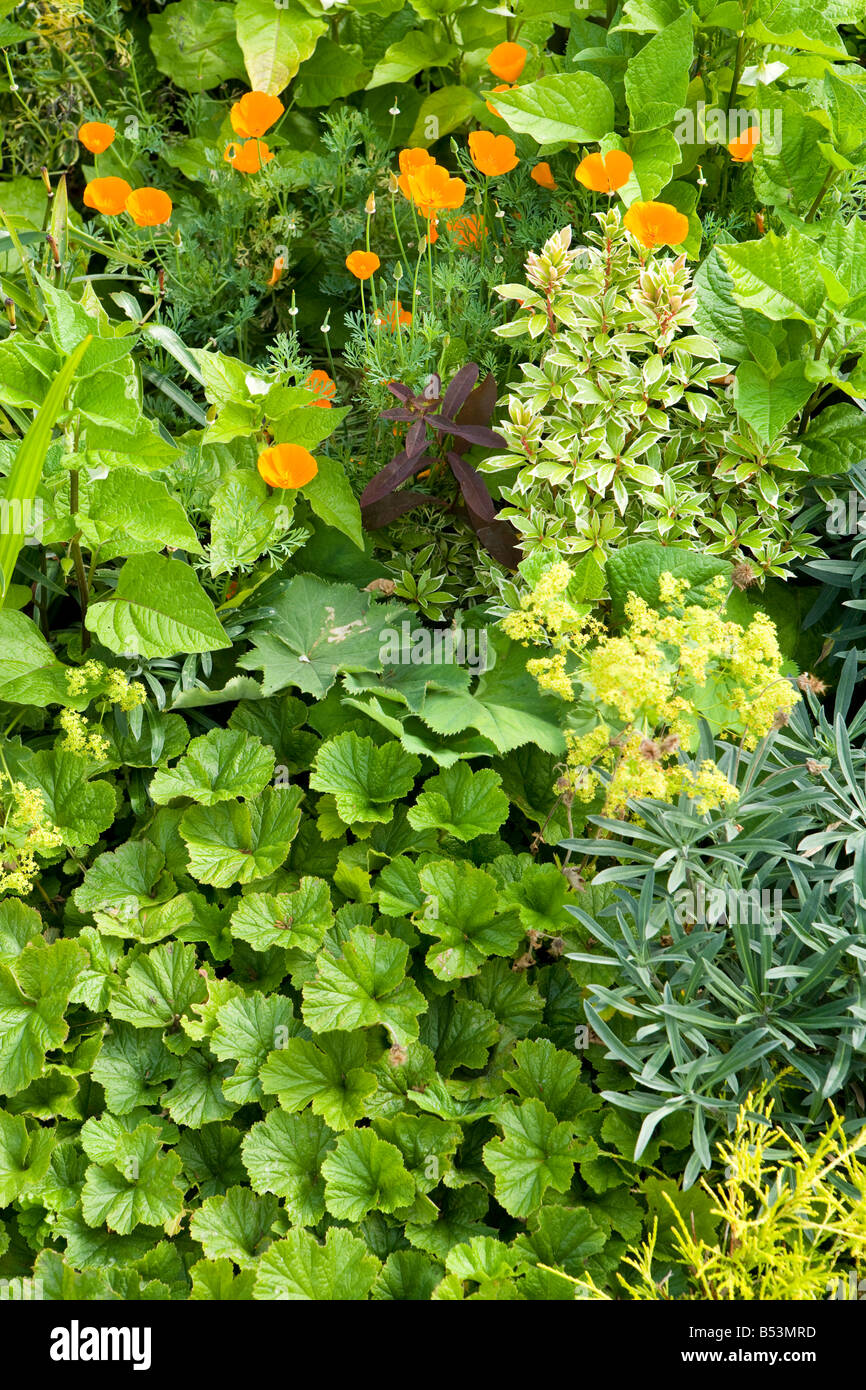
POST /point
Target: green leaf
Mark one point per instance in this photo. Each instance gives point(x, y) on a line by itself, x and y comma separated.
point(507, 706)
point(450, 107)
point(284, 1154)
point(247, 1031)
point(195, 1096)
point(313, 631)
point(216, 1281)
point(568, 108)
point(777, 276)
point(407, 1275)
point(194, 43)
point(222, 764)
point(139, 1187)
point(18, 926)
point(657, 78)
point(366, 985)
point(416, 52)
point(461, 803)
point(126, 879)
point(334, 70)
point(364, 779)
point(25, 1153)
point(835, 440)
point(296, 920)
point(159, 987)
point(533, 1155)
point(275, 41)
point(81, 810)
point(34, 993)
point(30, 673)
point(23, 479)
point(461, 911)
point(132, 1067)
point(795, 24)
point(636, 568)
point(130, 513)
point(540, 896)
point(158, 609)
point(768, 402)
point(235, 1225)
point(364, 1173)
point(237, 842)
point(544, 1072)
point(332, 499)
point(300, 1268)
point(327, 1073)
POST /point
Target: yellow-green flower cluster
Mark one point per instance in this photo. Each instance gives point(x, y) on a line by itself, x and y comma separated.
point(650, 686)
point(106, 681)
point(79, 737)
point(26, 832)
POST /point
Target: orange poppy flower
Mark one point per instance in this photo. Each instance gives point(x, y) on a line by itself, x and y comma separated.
point(287, 465)
point(543, 176)
point(107, 196)
point(149, 207)
point(742, 150)
point(467, 232)
point(507, 61)
point(255, 113)
point(492, 154)
point(362, 264)
point(393, 317)
point(604, 173)
point(276, 273)
point(249, 157)
point(432, 188)
point(96, 136)
point(324, 387)
point(503, 87)
point(656, 224)
point(410, 161)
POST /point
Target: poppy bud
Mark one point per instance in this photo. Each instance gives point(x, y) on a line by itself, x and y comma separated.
point(370, 205)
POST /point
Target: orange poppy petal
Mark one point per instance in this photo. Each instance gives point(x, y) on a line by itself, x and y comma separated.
point(107, 196)
point(604, 173)
point(492, 154)
point(96, 136)
point(362, 264)
point(542, 174)
point(507, 60)
point(149, 207)
point(742, 149)
point(656, 224)
point(255, 113)
point(287, 466)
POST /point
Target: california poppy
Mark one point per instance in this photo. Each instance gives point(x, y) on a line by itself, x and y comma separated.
point(362, 264)
point(432, 188)
point(507, 61)
point(393, 317)
point(254, 114)
point(96, 136)
point(492, 154)
point(543, 176)
point(287, 465)
point(467, 232)
point(324, 387)
point(149, 207)
point(410, 161)
point(604, 173)
point(742, 149)
point(656, 224)
point(107, 196)
point(249, 157)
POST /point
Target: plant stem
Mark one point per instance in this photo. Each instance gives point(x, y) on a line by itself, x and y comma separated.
point(829, 177)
